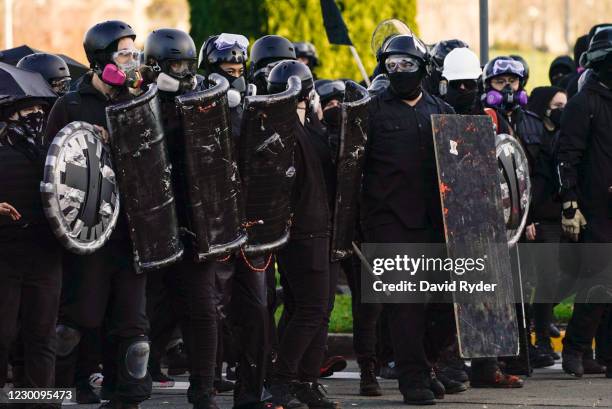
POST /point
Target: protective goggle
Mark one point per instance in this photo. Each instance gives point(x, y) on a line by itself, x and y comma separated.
point(402, 63)
point(330, 88)
point(227, 40)
point(181, 68)
point(61, 85)
point(468, 85)
point(124, 56)
point(508, 67)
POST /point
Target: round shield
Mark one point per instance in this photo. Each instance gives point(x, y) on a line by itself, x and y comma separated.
point(515, 185)
point(79, 191)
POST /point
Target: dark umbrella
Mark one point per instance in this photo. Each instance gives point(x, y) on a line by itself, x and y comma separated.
point(16, 84)
point(13, 55)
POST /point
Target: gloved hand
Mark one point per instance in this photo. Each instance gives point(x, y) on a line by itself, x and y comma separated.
point(572, 220)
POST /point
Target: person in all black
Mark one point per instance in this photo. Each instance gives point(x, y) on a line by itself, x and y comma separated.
point(30, 255)
point(560, 67)
point(586, 180)
point(103, 287)
point(304, 262)
point(401, 204)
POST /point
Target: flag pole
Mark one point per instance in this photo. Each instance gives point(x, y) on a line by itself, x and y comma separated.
point(364, 74)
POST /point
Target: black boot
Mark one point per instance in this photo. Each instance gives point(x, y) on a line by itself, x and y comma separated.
point(282, 395)
point(206, 402)
point(314, 395)
point(590, 365)
point(451, 386)
point(417, 390)
point(572, 363)
point(176, 358)
point(223, 385)
point(436, 386)
point(545, 347)
point(540, 359)
point(368, 385)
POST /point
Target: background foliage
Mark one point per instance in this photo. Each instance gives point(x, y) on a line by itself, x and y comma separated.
point(301, 20)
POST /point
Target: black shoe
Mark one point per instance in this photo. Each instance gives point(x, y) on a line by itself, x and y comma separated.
point(206, 402)
point(282, 395)
point(331, 365)
point(230, 373)
point(161, 380)
point(223, 385)
point(545, 347)
point(314, 395)
point(591, 366)
point(85, 395)
point(177, 361)
point(454, 373)
point(419, 396)
point(539, 359)
point(572, 363)
point(368, 385)
point(436, 386)
point(450, 385)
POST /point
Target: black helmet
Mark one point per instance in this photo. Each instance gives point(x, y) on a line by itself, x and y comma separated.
point(503, 66)
point(599, 48)
point(100, 37)
point(525, 66)
point(441, 50)
point(330, 89)
point(211, 55)
point(403, 44)
point(279, 77)
point(560, 66)
point(168, 44)
point(271, 48)
point(307, 50)
point(50, 66)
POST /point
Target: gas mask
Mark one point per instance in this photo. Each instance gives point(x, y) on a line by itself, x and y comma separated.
point(123, 74)
point(173, 85)
point(506, 99)
point(237, 83)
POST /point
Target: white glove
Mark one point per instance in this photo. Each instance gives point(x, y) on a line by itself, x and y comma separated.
point(572, 220)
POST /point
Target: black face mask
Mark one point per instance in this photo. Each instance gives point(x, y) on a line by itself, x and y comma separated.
point(605, 75)
point(555, 117)
point(406, 85)
point(237, 83)
point(331, 116)
point(33, 124)
point(462, 101)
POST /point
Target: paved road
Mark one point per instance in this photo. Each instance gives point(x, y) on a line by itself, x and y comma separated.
point(548, 388)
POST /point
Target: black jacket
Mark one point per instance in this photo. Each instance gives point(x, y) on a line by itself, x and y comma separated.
point(400, 182)
point(309, 202)
point(585, 149)
point(546, 206)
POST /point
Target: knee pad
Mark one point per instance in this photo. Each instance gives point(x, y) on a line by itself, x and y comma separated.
point(67, 339)
point(136, 357)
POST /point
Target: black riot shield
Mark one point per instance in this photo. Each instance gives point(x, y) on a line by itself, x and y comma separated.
point(475, 230)
point(216, 215)
point(515, 184)
point(266, 146)
point(349, 168)
point(79, 191)
point(144, 176)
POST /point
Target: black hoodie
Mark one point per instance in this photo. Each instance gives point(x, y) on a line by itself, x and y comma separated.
point(585, 148)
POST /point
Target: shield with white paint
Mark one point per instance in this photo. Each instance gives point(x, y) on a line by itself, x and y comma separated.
point(79, 189)
point(266, 146)
point(210, 171)
point(349, 169)
point(144, 175)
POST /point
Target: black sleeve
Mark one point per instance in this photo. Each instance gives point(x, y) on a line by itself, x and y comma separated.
point(575, 128)
point(58, 118)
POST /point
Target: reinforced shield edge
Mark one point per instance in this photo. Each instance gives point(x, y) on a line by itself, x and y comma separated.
point(211, 171)
point(144, 175)
point(266, 167)
point(349, 169)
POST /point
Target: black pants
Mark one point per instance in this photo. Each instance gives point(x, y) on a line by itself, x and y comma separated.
point(104, 291)
point(30, 282)
point(309, 294)
point(248, 318)
point(591, 319)
point(419, 332)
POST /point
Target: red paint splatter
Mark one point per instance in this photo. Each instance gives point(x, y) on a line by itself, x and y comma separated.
point(444, 189)
point(446, 211)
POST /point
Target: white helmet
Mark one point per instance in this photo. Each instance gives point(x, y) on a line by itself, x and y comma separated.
point(461, 64)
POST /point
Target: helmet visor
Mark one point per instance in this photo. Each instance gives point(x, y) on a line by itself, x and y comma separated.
point(334, 87)
point(181, 68)
point(61, 85)
point(401, 63)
